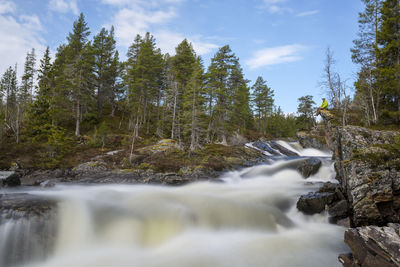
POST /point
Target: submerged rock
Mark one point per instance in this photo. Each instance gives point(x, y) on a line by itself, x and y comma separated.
point(372, 246)
point(309, 167)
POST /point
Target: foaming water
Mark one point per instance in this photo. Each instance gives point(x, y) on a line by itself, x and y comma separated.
point(248, 220)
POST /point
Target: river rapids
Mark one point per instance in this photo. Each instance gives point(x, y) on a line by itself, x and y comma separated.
point(248, 218)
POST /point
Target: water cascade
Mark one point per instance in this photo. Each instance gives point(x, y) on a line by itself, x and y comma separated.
point(248, 219)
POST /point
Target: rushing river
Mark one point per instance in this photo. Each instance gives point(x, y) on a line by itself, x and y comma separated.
point(248, 219)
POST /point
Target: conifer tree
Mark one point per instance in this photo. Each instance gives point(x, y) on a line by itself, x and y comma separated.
point(79, 68)
point(183, 64)
point(306, 110)
point(39, 114)
point(219, 95)
point(193, 105)
point(9, 88)
point(263, 102)
point(26, 91)
point(364, 53)
point(241, 115)
point(105, 68)
point(389, 56)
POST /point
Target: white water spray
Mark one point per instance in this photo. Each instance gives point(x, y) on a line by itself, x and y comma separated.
point(249, 220)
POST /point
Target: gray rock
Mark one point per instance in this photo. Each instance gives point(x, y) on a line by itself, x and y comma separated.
point(13, 179)
point(367, 167)
point(309, 167)
point(314, 202)
point(282, 149)
point(373, 246)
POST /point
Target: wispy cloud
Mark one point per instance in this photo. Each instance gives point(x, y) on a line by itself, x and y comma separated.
point(64, 6)
point(274, 6)
point(307, 13)
point(138, 16)
point(276, 55)
point(18, 35)
point(7, 7)
point(168, 41)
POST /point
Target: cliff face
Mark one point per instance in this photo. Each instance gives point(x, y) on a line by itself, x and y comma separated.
point(367, 164)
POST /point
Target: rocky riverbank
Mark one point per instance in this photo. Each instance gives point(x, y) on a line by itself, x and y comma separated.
point(367, 164)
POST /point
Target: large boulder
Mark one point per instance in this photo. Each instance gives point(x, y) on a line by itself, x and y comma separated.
point(10, 178)
point(315, 202)
point(309, 167)
point(328, 198)
point(372, 246)
point(313, 139)
point(367, 164)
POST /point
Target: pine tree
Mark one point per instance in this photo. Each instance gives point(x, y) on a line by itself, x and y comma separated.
point(364, 53)
point(26, 91)
point(241, 115)
point(306, 110)
point(183, 64)
point(219, 95)
point(263, 102)
point(9, 88)
point(389, 56)
point(144, 77)
point(80, 68)
point(39, 114)
point(105, 68)
point(193, 105)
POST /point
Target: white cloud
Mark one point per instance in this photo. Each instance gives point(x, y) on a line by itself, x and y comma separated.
point(64, 6)
point(7, 7)
point(168, 41)
point(130, 22)
point(275, 55)
point(139, 16)
point(307, 13)
point(274, 6)
point(18, 35)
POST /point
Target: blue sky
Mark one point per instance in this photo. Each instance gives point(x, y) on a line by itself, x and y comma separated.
point(284, 41)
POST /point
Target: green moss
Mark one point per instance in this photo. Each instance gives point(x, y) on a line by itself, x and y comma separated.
point(383, 155)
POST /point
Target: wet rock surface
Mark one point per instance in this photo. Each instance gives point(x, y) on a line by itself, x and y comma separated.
point(328, 198)
point(309, 167)
point(368, 169)
point(10, 178)
point(314, 139)
point(23, 205)
point(372, 246)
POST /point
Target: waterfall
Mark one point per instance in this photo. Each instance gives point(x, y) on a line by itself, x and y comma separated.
point(250, 219)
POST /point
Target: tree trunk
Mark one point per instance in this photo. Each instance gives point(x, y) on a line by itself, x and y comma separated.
point(174, 111)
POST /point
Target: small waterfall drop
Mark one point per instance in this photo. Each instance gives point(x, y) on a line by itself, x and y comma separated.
point(250, 219)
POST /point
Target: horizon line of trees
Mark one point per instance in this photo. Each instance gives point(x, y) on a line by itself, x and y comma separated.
point(150, 93)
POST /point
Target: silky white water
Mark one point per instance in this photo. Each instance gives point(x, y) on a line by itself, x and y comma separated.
point(249, 219)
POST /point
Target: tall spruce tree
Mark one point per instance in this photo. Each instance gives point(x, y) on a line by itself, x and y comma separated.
point(306, 110)
point(79, 68)
point(364, 53)
point(263, 103)
point(183, 64)
point(219, 95)
point(39, 115)
point(389, 57)
point(193, 105)
point(144, 77)
point(241, 116)
point(26, 90)
point(9, 87)
point(105, 68)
